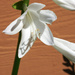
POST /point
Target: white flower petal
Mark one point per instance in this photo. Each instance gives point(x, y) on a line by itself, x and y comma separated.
point(67, 4)
point(47, 16)
point(66, 48)
point(27, 20)
point(70, 45)
point(44, 33)
point(14, 27)
point(36, 6)
point(26, 42)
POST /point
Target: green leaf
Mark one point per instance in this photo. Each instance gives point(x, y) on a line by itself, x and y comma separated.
point(18, 5)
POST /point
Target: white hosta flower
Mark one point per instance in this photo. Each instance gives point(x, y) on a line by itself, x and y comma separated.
point(66, 48)
point(33, 24)
point(67, 4)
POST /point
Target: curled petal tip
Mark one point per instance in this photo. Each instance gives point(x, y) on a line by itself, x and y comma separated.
point(47, 16)
point(3, 31)
point(36, 6)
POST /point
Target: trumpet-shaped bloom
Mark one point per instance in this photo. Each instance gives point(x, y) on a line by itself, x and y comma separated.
point(67, 4)
point(33, 23)
point(66, 48)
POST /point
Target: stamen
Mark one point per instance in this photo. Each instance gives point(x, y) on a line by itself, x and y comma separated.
point(38, 30)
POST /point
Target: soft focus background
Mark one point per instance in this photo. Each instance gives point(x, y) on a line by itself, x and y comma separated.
point(41, 59)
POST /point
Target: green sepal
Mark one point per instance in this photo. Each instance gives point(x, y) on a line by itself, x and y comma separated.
point(18, 5)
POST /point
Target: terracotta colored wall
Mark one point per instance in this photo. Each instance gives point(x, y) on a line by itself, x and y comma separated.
point(41, 59)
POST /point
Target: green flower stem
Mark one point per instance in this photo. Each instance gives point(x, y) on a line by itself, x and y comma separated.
point(17, 60)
